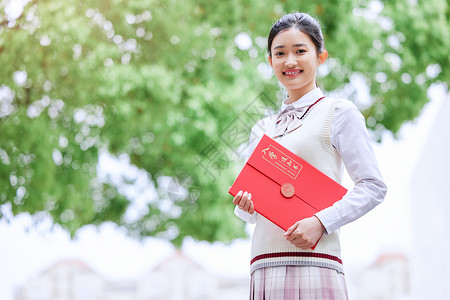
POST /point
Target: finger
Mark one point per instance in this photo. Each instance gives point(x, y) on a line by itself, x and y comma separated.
point(294, 241)
point(290, 230)
point(248, 203)
point(291, 238)
point(246, 206)
point(251, 210)
point(252, 207)
point(243, 200)
point(304, 244)
point(300, 243)
point(237, 198)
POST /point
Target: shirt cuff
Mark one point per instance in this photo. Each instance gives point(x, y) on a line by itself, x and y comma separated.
point(245, 216)
point(321, 215)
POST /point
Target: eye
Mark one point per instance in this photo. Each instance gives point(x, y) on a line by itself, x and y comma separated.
point(300, 51)
point(279, 53)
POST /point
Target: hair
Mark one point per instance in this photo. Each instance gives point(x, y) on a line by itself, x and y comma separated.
point(304, 23)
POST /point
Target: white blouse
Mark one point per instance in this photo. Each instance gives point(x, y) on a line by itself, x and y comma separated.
point(350, 138)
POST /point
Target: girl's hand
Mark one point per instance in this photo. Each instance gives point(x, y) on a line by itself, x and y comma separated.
point(305, 233)
point(243, 200)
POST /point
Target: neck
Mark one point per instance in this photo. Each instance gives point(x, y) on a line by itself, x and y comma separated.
point(294, 95)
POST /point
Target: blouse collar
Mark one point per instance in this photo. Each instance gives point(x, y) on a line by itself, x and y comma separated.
point(304, 101)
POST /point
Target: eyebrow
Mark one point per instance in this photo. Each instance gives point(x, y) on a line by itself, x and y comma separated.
point(295, 45)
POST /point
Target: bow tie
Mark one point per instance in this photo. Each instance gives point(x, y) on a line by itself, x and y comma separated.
point(289, 120)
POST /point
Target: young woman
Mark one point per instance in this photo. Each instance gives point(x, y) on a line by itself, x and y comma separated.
point(329, 134)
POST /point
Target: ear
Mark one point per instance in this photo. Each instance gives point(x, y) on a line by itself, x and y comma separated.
point(269, 58)
point(323, 57)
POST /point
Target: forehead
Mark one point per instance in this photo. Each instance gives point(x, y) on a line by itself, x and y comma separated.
point(290, 37)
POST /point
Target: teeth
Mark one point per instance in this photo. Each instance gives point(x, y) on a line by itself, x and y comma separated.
point(292, 72)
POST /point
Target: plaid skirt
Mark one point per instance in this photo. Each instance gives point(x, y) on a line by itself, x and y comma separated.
point(297, 282)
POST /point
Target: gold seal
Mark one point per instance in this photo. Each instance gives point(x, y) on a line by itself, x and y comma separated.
point(287, 190)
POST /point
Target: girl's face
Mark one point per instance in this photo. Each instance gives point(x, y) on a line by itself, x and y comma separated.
point(294, 61)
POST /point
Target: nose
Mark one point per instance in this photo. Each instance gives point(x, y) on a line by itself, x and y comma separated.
point(290, 61)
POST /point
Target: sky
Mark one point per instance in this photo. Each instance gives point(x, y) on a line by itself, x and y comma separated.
point(27, 249)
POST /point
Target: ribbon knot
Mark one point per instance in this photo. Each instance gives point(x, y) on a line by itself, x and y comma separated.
point(289, 120)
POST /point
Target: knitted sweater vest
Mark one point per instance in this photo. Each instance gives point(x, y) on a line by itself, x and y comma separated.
point(311, 142)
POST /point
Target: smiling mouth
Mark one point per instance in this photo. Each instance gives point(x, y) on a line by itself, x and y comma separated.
point(292, 73)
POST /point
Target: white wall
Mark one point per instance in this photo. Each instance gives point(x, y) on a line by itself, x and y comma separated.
point(430, 196)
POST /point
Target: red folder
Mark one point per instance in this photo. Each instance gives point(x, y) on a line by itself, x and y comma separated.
point(284, 187)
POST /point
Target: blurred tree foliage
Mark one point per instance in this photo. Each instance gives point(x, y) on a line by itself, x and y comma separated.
point(175, 85)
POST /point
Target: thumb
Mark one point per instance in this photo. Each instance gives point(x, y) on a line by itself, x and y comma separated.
point(290, 230)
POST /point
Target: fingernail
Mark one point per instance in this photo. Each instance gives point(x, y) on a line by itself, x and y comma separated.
point(240, 193)
point(249, 196)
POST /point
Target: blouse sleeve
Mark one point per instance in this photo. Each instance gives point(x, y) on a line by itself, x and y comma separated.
point(255, 136)
point(350, 138)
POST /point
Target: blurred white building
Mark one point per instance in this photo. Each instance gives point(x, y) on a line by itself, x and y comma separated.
point(176, 278)
point(430, 193)
point(180, 278)
point(70, 279)
point(387, 278)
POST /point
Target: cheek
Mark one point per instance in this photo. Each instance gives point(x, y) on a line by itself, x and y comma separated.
point(277, 66)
